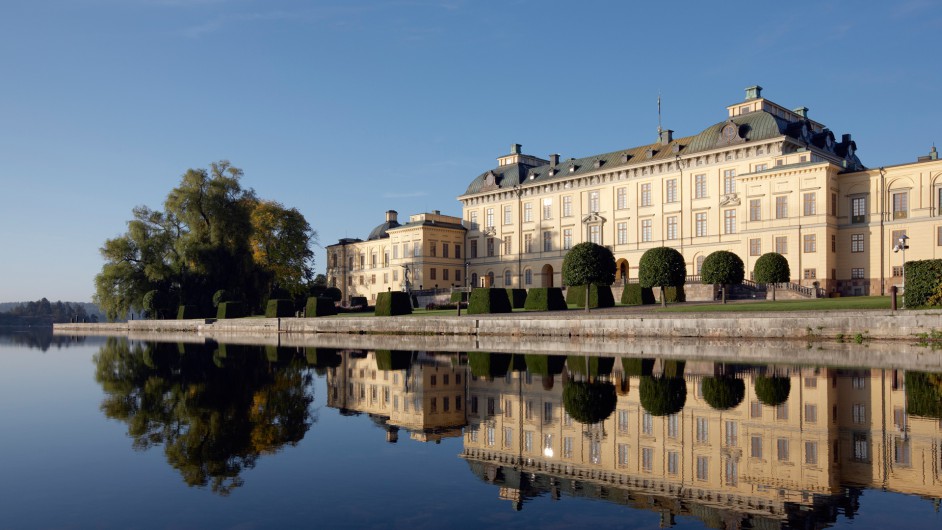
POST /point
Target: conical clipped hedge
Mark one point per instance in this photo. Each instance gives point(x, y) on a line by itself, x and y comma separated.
point(634, 294)
point(545, 364)
point(486, 301)
point(590, 366)
point(773, 391)
point(545, 299)
point(319, 307)
point(230, 310)
point(674, 368)
point(589, 403)
point(392, 303)
point(323, 357)
point(279, 308)
point(492, 365)
point(924, 394)
point(637, 366)
point(279, 353)
point(723, 393)
point(390, 360)
point(662, 396)
point(517, 297)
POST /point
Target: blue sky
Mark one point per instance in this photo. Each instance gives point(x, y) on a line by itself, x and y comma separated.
point(344, 109)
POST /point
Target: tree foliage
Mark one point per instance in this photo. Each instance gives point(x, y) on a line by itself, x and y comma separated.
point(723, 393)
point(722, 267)
point(661, 267)
point(589, 264)
point(589, 402)
point(212, 234)
point(772, 391)
point(772, 267)
point(44, 312)
point(662, 395)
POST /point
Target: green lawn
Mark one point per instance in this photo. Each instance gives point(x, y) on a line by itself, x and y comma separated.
point(821, 304)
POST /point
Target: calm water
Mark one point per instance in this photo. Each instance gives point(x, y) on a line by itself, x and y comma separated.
point(107, 433)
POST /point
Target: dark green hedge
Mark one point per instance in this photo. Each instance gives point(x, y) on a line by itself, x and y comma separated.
point(517, 297)
point(598, 296)
point(662, 396)
point(924, 394)
point(490, 365)
point(634, 294)
point(319, 307)
point(387, 360)
point(279, 308)
point(675, 294)
point(589, 403)
point(275, 354)
point(923, 278)
point(459, 296)
point(723, 393)
point(773, 391)
point(674, 368)
point(322, 357)
point(358, 301)
point(185, 312)
point(545, 299)
point(590, 366)
point(230, 310)
point(637, 366)
point(490, 300)
point(393, 303)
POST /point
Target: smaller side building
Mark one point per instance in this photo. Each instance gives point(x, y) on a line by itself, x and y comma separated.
point(426, 253)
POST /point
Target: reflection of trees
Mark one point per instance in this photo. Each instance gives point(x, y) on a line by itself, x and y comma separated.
point(40, 338)
point(724, 392)
point(589, 402)
point(662, 395)
point(773, 391)
point(215, 413)
point(924, 394)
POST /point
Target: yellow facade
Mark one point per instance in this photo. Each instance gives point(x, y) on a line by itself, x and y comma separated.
point(423, 254)
point(765, 179)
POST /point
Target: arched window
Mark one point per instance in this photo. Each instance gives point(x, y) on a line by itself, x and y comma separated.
point(528, 277)
point(507, 278)
point(474, 279)
point(699, 264)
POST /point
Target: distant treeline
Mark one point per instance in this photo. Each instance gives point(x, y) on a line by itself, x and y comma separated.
point(44, 312)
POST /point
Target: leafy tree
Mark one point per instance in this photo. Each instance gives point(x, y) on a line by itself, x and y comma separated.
point(212, 234)
point(589, 264)
point(772, 267)
point(662, 267)
point(724, 268)
point(214, 414)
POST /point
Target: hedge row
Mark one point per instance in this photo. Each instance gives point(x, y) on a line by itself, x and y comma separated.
point(319, 307)
point(489, 300)
point(185, 312)
point(518, 298)
point(545, 299)
point(634, 294)
point(923, 279)
point(279, 308)
point(598, 296)
point(230, 310)
point(392, 303)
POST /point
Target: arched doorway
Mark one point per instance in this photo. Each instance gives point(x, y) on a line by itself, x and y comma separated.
point(547, 275)
point(488, 280)
point(621, 271)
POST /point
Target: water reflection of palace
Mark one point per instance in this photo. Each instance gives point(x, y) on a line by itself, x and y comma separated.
point(735, 446)
point(418, 392)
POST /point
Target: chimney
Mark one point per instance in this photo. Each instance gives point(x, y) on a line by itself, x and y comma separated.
point(802, 111)
point(933, 154)
point(624, 158)
point(753, 92)
point(666, 136)
point(515, 149)
point(554, 160)
point(845, 138)
point(391, 215)
point(436, 212)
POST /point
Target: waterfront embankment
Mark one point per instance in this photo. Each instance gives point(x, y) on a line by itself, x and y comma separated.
point(599, 324)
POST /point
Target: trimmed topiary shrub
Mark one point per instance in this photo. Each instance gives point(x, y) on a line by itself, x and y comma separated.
point(319, 307)
point(675, 294)
point(489, 300)
point(723, 393)
point(221, 296)
point(923, 278)
point(517, 297)
point(590, 366)
point(722, 267)
point(634, 294)
point(322, 358)
point(230, 310)
point(771, 267)
point(358, 301)
point(545, 364)
point(637, 366)
point(279, 308)
point(589, 403)
point(459, 296)
point(388, 360)
point(333, 293)
point(186, 312)
point(598, 296)
point(662, 267)
point(489, 365)
point(545, 299)
point(393, 303)
point(674, 368)
point(772, 391)
point(588, 264)
point(662, 396)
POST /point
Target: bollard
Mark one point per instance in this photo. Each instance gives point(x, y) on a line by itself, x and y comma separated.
point(893, 291)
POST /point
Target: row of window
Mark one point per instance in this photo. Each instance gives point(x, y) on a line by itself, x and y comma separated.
point(446, 275)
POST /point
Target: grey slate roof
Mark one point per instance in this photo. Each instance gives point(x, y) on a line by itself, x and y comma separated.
point(380, 231)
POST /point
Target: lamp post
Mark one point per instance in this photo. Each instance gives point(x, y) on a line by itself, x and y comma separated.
point(902, 245)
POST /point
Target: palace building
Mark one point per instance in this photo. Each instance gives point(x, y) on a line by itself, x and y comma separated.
point(423, 254)
point(764, 179)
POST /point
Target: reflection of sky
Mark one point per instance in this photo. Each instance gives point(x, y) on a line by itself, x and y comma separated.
point(63, 464)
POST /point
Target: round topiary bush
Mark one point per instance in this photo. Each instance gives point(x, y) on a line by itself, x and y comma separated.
point(661, 267)
point(589, 403)
point(722, 267)
point(772, 267)
point(589, 264)
point(723, 393)
point(662, 396)
point(772, 391)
